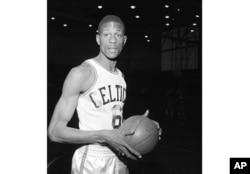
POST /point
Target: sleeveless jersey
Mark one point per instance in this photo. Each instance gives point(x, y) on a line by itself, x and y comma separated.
point(101, 106)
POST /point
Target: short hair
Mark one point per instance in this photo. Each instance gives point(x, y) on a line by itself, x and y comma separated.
point(110, 18)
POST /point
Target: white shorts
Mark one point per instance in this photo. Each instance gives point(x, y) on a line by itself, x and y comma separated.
point(96, 159)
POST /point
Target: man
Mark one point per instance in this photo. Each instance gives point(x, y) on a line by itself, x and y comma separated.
point(97, 89)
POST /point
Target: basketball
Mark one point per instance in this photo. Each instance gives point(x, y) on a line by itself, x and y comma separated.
point(145, 135)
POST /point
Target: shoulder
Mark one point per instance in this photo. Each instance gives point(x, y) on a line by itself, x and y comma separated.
point(122, 74)
point(81, 71)
point(80, 77)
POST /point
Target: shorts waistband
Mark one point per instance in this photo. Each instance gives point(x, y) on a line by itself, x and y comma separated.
point(96, 150)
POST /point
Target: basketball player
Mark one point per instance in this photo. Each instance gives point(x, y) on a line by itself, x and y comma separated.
point(97, 90)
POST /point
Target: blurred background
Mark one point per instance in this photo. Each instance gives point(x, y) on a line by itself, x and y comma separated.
point(162, 63)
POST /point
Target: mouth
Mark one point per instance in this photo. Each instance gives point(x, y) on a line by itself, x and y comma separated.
point(112, 49)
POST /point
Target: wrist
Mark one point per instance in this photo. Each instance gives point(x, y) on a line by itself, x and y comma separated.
point(101, 136)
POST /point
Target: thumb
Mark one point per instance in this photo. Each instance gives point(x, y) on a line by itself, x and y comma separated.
point(129, 132)
point(146, 113)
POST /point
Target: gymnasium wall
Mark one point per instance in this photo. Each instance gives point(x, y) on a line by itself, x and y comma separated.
point(69, 49)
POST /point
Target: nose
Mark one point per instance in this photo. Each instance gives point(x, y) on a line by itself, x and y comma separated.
point(112, 39)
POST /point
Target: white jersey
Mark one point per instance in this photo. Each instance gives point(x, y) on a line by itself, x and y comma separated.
point(101, 106)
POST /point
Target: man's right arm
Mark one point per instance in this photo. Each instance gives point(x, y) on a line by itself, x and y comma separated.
point(77, 80)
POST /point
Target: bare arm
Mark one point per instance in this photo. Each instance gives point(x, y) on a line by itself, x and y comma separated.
point(79, 80)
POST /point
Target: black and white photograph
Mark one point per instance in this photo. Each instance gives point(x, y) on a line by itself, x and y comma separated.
point(125, 86)
point(114, 68)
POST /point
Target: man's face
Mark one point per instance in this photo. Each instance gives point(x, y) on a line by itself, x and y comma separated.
point(111, 39)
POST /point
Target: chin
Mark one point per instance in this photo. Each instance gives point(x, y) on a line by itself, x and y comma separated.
point(112, 58)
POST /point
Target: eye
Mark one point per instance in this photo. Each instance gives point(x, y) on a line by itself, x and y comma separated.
point(105, 34)
point(119, 35)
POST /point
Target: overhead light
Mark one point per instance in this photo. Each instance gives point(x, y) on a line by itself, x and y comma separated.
point(167, 17)
point(191, 31)
point(194, 24)
point(197, 16)
point(90, 25)
point(146, 36)
point(99, 6)
point(137, 16)
point(148, 40)
point(178, 9)
point(167, 24)
point(53, 18)
point(166, 6)
point(65, 25)
point(132, 7)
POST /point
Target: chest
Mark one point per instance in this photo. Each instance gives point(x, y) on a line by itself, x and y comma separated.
point(108, 90)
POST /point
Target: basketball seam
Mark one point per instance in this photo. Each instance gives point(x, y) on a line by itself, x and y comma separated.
point(137, 127)
point(142, 141)
point(140, 122)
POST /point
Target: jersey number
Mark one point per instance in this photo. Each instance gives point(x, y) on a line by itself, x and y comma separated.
point(117, 116)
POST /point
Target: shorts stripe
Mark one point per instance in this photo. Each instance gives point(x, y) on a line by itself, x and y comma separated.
point(84, 158)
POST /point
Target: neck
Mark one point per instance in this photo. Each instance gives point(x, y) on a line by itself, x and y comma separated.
point(109, 64)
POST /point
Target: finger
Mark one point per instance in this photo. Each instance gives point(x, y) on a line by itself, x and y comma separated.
point(130, 149)
point(159, 128)
point(146, 113)
point(160, 132)
point(121, 153)
point(128, 154)
point(127, 132)
point(157, 124)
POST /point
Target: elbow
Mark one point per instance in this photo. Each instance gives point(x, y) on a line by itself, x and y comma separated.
point(52, 135)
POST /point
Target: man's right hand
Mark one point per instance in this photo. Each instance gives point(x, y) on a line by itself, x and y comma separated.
point(115, 138)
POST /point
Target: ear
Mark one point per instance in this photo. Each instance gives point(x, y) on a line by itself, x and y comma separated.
point(124, 39)
point(98, 39)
